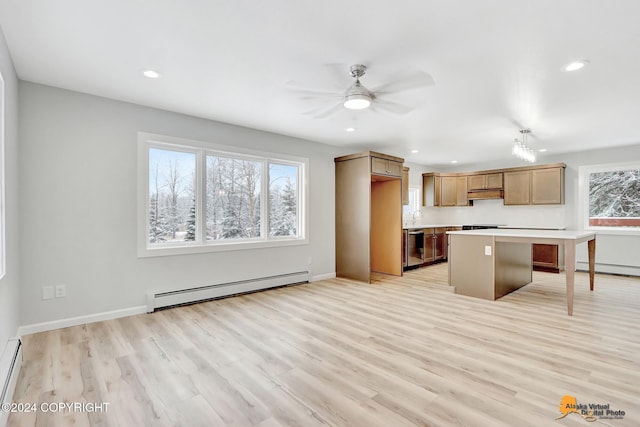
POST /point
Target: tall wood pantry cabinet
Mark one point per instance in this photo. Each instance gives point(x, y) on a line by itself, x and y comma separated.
point(368, 215)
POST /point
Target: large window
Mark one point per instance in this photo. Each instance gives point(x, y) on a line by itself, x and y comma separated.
point(200, 197)
point(611, 196)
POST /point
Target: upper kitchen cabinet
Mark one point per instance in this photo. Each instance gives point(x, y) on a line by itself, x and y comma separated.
point(486, 181)
point(536, 185)
point(547, 186)
point(381, 164)
point(405, 185)
point(517, 188)
point(444, 190)
point(368, 215)
point(485, 186)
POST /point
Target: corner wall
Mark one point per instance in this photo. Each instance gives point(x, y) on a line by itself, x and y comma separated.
point(9, 284)
point(78, 206)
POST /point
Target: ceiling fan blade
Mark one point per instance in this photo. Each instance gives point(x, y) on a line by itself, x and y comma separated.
point(323, 113)
point(310, 93)
point(415, 80)
point(391, 107)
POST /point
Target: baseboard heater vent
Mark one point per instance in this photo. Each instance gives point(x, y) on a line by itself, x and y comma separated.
point(9, 369)
point(203, 293)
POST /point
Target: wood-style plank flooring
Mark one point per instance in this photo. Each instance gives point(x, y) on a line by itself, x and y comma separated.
point(399, 352)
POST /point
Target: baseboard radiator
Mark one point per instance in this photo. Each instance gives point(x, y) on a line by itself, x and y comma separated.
point(10, 364)
point(203, 293)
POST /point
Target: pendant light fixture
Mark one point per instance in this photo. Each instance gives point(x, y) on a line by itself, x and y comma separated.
point(521, 149)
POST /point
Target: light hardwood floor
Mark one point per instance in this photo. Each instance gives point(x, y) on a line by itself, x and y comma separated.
point(399, 352)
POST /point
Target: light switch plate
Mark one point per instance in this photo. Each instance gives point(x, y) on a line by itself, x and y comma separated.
point(487, 250)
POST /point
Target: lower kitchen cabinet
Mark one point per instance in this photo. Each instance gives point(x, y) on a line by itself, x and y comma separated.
point(546, 258)
point(424, 246)
point(440, 244)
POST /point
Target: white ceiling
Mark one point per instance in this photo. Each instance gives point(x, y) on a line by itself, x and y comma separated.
point(495, 65)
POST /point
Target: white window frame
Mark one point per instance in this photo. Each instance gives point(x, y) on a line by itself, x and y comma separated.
point(201, 245)
point(2, 179)
point(416, 190)
point(583, 199)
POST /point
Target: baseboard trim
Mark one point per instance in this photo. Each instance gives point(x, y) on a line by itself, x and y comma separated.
point(326, 276)
point(108, 315)
point(80, 320)
point(623, 270)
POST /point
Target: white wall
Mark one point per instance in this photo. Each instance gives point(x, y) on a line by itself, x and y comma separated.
point(615, 253)
point(78, 205)
point(9, 285)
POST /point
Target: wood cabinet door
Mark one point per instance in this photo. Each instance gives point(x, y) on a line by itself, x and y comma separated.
point(385, 167)
point(429, 246)
point(517, 188)
point(476, 182)
point(405, 186)
point(545, 256)
point(378, 166)
point(547, 186)
point(493, 180)
point(449, 195)
point(440, 242)
point(394, 168)
point(461, 191)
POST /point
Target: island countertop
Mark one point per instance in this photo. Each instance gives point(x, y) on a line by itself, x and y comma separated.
point(531, 234)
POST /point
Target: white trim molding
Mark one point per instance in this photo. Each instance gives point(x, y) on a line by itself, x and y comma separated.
point(80, 320)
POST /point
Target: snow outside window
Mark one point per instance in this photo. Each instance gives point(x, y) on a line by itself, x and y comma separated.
point(199, 198)
point(611, 196)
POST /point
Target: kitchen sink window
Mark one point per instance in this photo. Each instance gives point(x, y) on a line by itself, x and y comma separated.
point(611, 196)
point(414, 203)
point(198, 197)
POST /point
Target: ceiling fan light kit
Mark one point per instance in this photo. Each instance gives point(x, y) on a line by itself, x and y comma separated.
point(357, 97)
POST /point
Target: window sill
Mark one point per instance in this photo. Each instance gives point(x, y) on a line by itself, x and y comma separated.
point(620, 231)
point(217, 247)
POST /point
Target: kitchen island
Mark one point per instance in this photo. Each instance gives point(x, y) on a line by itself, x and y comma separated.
point(491, 263)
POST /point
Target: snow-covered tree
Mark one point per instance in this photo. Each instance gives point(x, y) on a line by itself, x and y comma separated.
point(157, 223)
point(615, 194)
point(191, 223)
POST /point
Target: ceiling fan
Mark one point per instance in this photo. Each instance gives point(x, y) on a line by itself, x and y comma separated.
point(359, 97)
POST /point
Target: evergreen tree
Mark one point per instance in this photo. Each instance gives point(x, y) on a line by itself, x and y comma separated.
point(157, 222)
point(191, 223)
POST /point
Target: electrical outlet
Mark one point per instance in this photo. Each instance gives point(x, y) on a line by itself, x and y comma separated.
point(487, 250)
point(47, 292)
point(61, 291)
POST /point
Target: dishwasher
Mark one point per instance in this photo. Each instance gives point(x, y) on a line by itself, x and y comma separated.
point(415, 248)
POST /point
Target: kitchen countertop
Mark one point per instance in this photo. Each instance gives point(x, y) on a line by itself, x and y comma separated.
point(527, 233)
point(418, 226)
point(514, 227)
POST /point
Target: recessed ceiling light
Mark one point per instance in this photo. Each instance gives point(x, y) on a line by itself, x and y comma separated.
point(454, 161)
point(349, 129)
point(542, 150)
point(414, 151)
point(575, 65)
point(152, 74)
